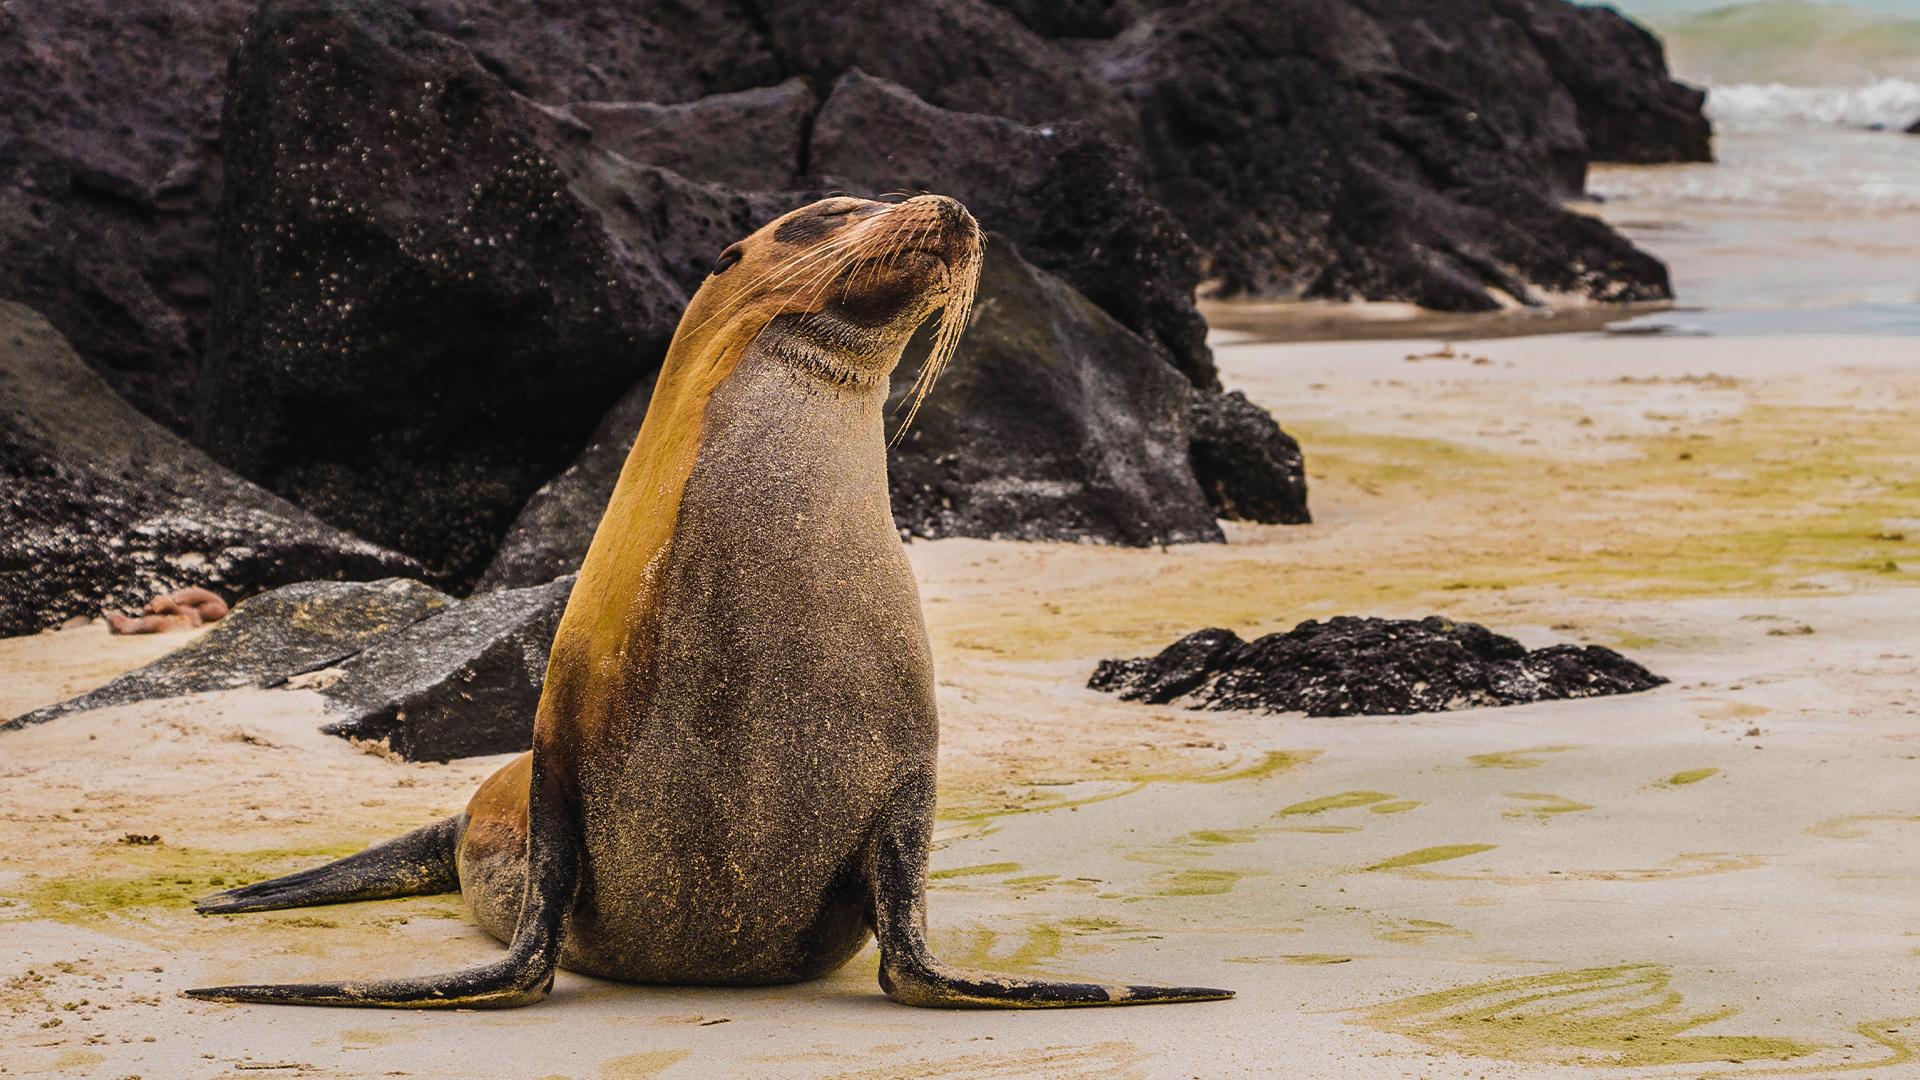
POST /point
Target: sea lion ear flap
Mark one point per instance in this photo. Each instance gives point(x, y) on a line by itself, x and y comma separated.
point(726, 260)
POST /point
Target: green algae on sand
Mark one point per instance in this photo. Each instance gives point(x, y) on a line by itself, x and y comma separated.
point(1223, 836)
point(974, 871)
point(1427, 855)
point(1542, 806)
point(1197, 882)
point(642, 1066)
point(1690, 776)
point(1528, 758)
point(1414, 931)
point(1343, 801)
point(986, 949)
point(139, 880)
point(1628, 1015)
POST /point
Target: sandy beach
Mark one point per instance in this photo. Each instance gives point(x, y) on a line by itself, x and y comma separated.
point(1593, 331)
point(1713, 878)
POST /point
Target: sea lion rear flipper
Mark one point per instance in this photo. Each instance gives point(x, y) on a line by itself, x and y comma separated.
point(417, 864)
point(522, 977)
point(912, 975)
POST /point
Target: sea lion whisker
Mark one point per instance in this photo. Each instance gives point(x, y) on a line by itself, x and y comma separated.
point(962, 284)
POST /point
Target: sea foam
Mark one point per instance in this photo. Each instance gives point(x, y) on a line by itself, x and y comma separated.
point(1892, 103)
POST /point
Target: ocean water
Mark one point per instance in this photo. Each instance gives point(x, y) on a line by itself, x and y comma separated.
point(1809, 221)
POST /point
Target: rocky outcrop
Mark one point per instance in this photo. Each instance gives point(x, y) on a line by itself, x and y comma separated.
point(267, 640)
point(463, 682)
point(958, 54)
point(585, 50)
point(1054, 422)
point(109, 118)
point(105, 509)
point(435, 293)
point(751, 139)
point(1627, 106)
point(1307, 157)
point(455, 232)
point(1070, 197)
point(1249, 469)
point(1351, 666)
point(400, 663)
point(110, 141)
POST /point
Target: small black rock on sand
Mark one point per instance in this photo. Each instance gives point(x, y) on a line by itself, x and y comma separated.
point(1350, 666)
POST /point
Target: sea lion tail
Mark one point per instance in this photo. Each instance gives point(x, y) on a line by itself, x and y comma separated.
point(419, 863)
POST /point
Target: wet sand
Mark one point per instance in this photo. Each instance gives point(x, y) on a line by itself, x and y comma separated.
point(1714, 878)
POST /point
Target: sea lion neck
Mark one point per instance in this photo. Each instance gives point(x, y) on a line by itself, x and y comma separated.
point(803, 345)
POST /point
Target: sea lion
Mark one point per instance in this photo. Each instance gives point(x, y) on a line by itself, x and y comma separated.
point(182, 609)
point(732, 774)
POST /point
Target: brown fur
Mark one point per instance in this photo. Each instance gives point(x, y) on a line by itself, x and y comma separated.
point(601, 667)
point(732, 774)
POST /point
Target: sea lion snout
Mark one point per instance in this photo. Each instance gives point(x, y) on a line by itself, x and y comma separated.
point(949, 227)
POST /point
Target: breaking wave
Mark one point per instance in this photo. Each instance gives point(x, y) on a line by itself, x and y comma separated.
point(1891, 103)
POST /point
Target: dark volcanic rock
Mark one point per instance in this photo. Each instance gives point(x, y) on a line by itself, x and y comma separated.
point(113, 319)
point(958, 54)
point(1351, 666)
point(1176, 670)
point(749, 139)
point(1306, 158)
point(266, 640)
point(1563, 84)
point(1071, 198)
point(110, 139)
point(425, 289)
point(585, 50)
point(103, 508)
point(1071, 18)
point(1629, 109)
point(550, 537)
point(109, 111)
point(437, 288)
point(463, 682)
point(1053, 423)
point(1249, 468)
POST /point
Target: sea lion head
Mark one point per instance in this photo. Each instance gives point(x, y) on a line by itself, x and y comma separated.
point(837, 287)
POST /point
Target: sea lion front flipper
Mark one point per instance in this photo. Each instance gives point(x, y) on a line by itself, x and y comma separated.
point(522, 977)
point(912, 975)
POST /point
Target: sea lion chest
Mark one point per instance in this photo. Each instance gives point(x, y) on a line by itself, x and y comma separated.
point(787, 694)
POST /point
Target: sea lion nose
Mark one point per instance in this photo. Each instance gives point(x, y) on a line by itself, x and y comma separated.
point(953, 214)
